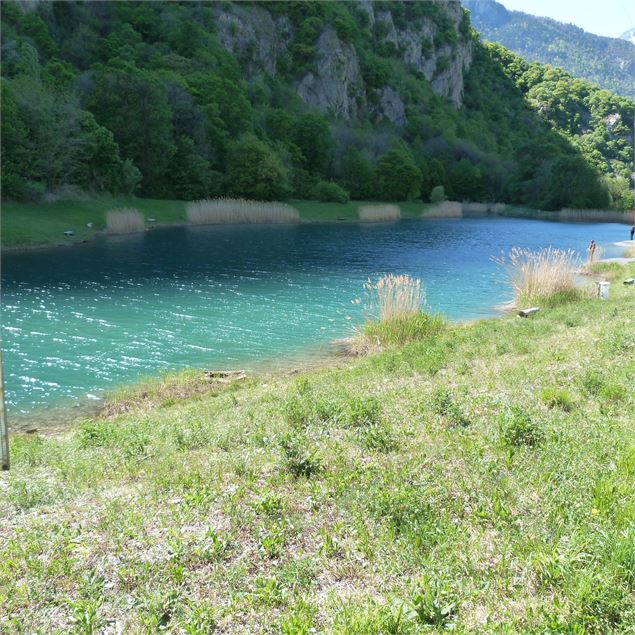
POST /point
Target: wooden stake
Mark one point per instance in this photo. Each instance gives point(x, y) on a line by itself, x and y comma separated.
point(4, 430)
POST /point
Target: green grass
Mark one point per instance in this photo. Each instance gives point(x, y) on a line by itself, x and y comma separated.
point(30, 224)
point(40, 224)
point(476, 480)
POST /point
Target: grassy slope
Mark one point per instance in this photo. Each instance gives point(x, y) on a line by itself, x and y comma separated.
point(25, 224)
point(483, 478)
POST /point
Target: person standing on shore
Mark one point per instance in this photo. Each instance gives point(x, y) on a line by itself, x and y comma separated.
point(632, 232)
point(591, 251)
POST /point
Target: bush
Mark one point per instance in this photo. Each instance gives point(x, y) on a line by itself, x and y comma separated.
point(329, 192)
point(300, 460)
point(518, 429)
point(438, 194)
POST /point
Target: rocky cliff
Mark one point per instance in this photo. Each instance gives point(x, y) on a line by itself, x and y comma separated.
point(436, 47)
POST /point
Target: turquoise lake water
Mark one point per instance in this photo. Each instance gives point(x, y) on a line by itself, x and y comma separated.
point(81, 320)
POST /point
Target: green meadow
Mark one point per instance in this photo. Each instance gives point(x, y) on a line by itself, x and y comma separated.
point(473, 478)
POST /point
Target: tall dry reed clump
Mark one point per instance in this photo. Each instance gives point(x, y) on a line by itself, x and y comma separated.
point(126, 220)
point(445, 209)
point(223, 211)
point(394, 306)
point(394, 296)
point(541, 275)
point(379, 213)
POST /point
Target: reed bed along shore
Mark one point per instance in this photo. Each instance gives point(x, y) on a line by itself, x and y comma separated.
point(445, 209)
point(225, 211)
point(379, 213)
point(599, 215)
point(126, 220)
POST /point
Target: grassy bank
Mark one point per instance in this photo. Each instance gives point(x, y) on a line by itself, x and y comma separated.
point(479, 479)
point(34, 224)
point(31, 224)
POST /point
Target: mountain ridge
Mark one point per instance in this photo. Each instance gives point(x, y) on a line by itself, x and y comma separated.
point(605, 61)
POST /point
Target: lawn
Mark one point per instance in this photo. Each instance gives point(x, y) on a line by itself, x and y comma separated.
point(477, 480)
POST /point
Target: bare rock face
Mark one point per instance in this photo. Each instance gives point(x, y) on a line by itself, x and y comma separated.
point(253, 37)
point(337, 83)
point(391, 106)
point(443, 66)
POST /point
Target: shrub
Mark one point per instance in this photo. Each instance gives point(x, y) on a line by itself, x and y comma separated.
point(438, 194)
point(362, 411)
point(228, 210)
point(541, 274)
point(298, 458)
point(378, 437)
point(518, 429)
point(379, 213)
point(124, 221)
point(329, 192)
point(444, 404)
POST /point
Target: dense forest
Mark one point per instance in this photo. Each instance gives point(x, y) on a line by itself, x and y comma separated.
point(327, 100)
point(606, 61)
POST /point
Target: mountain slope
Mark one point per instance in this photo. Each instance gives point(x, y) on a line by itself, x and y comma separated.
point(629, 35)
point(607, 62)
point(269, 100)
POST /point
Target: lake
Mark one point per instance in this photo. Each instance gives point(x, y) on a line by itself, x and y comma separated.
point(79, 321)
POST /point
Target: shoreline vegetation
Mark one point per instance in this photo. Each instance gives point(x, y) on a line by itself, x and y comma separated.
point(477, 475)
point(26, 226)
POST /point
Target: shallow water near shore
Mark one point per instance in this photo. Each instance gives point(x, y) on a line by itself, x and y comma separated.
point(78, 322)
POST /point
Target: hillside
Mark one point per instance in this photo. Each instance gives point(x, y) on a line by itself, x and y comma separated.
point(381, 100)
point(607, 62)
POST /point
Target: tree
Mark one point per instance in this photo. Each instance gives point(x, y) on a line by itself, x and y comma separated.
point(358, 174)
point(398, 177)
point(254, 171)
point(313, 137)
point(466, 180)
point(133, 105)
point(575, 184)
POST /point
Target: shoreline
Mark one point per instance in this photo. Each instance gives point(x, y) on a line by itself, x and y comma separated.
point(342, 214)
